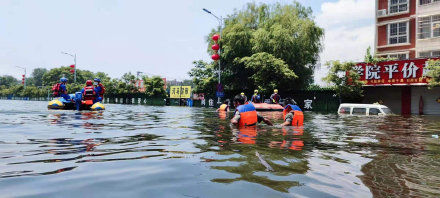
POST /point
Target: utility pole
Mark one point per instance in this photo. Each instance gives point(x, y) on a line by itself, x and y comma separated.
point(74, 60)
point(24, 77)
point(220, 21)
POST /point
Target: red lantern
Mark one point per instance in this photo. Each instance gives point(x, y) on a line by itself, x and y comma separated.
point(72, 71)
point(215, 57)
point(72, 66)
point(215, 47)
point(215, 37)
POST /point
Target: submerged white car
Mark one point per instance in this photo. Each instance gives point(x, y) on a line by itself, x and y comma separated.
point(363, 109)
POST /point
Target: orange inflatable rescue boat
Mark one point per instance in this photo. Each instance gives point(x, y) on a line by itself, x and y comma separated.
point(268, 107)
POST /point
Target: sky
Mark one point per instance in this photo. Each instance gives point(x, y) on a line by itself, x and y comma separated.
point(161, 37)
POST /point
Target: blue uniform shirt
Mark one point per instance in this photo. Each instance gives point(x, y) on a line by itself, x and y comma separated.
point(63, 90)
point(98, 90)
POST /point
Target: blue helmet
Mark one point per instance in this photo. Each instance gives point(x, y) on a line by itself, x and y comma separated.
point(97, 80)
point(63, 79)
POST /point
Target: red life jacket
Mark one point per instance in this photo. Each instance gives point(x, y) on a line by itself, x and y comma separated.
point(102, 89)
point(248, 115)
point(89, 93)
point(56, 90)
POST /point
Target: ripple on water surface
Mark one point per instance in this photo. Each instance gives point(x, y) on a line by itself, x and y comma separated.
point(140, 151)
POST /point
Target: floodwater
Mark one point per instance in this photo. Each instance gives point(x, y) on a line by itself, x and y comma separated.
point(143, 151)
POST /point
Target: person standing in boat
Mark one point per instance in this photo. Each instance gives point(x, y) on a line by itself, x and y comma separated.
point(256, 97)
point(246, 114)
point(275, 97)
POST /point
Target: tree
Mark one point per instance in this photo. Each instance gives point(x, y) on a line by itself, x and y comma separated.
point(268, 72)
point(37, 76)
point(374, 59)
point(203, 76)
point(285, 31)
point(345, 80)
point(8, 80)
point(433, 67)
point(154, 86)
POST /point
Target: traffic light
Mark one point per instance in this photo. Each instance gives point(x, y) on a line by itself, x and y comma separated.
point(23, 79)
point(72, 71)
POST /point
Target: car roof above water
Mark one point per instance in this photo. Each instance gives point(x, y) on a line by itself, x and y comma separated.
point(362, 105)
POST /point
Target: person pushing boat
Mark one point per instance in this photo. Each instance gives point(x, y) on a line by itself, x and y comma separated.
point(246, 114)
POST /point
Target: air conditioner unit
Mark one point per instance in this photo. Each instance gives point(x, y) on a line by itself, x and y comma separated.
point(381, 13)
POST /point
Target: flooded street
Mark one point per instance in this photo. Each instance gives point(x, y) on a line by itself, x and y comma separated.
point(144, 151)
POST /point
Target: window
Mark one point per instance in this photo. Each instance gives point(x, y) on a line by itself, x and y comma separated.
point(398, 56)
point(374, 111)
point(429, 54)
point(398, 33)
point(424, 2)
point(387, 111)
point(429, 27)
point(359, 111)
point(397, 6)
point(344, 110)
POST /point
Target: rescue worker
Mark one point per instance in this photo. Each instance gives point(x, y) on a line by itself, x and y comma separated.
point(275, 97)
point(88, 93)
point(246, 114)
point(245, 98)
point(256, 98)
point(99, 89)
point(60, 89)
point(224, 107)
point(293, 116)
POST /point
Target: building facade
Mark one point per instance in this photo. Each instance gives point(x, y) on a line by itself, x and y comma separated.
point(408, 29)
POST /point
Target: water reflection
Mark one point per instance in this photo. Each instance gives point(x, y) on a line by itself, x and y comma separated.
point(280, 147)
point(196, 152)
point(405, 164)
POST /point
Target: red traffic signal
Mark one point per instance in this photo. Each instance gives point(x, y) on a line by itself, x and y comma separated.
point(72, 66)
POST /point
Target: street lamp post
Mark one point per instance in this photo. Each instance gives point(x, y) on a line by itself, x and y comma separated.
point(74, 60)
point(220, 21)
point(24, 68)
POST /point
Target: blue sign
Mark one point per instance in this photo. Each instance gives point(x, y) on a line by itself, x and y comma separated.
point(220, 94)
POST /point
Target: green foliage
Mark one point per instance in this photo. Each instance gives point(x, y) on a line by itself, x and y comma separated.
point(154, 87)
point(8, 80)
point(37, 77)
point(433, 73)
point(204, 78)
point(287, 32)
point(374, 59)
point(268, 72)
point(126, 85)
point(345, 80)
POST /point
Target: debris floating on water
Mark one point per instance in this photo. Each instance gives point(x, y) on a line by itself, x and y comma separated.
point(435, 136)
point(268, 167)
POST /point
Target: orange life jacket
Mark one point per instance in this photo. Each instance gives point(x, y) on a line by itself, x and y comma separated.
point(247, 135)
point(248, 115)
point(298, 115)
point(223, 107)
